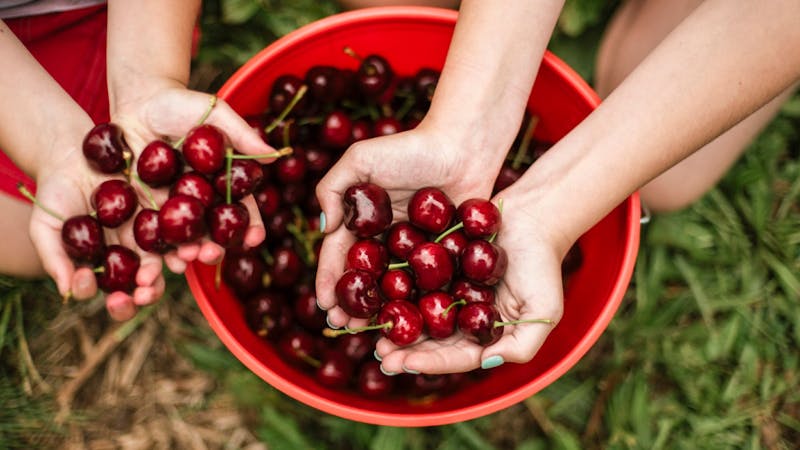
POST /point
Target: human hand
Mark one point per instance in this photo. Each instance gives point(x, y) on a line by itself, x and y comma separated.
point(401, 164)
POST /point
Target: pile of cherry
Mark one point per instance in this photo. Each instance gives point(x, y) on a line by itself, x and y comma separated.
point(319, 114)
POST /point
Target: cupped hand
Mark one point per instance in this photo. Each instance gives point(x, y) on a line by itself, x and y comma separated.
point(401, 164)
point(532, 289)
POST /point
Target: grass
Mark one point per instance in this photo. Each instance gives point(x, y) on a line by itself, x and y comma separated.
point(702, 353)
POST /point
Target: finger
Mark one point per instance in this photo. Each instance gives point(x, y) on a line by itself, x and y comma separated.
point(210, 253)
point(332, 186)
point(147, 295)
point(120, 306)
point(337, 318)
point(174, 263)
point(256, 233)
point(189, 252)
point(331, 265)
point(149, 270)
point(84, 284)
point(432, 356)
point(45, 232)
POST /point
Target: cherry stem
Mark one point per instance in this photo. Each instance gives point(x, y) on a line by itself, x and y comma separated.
point(218, 276)
point(521, 321)
point(499, 208)
point(350, 52)
point(212, 102)
point(297, 96)
point(146, 191)
point(444, 234)
point(228, 166)
point(453, 305)
point(27, 194)
point(404, 109)
point(331, 332)
point(522, 150)
point(398, 265)
point(285, 151)
point(99, 269)
point(311, 361)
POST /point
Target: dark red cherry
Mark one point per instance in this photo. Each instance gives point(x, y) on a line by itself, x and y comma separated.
point(356, 345)
point(431, 210)
point(105, 148)
point(477, 322)
point(246, 175)
point(243, 271)
point(281, 133)
point(287, 267)
point(277, 224)
point(386, 126)
point(361, 130)
point(508, 175)
point(181, 220)
point(227, 224)
point(367, 209)
point(291, 168)
point(374, 76)
point(268, 199)
point(284, 89)
point(481, 218)
point(159, 164)
point(397, 283)
point(115, 201)
point(119, 267)
point(336, 129)
point(194, 185)
point(265, 314)
point(147, 233)
point(83, 239)
point(440, 322)
point(294, 193)
point(357, 294)
point(425, 82)
point(484, 262)
point(455, 242)
point(327, 84)
point(432, 266)
point(335, 369)
point(307, 312)
point(471, 292)
point(204, 149)
point(404, 319)
point(298, 347)
point(318, 161)
point(402, 237)
point(372, 382)
point(369, 255)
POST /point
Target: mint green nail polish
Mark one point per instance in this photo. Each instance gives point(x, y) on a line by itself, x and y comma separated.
point(377, 356)
point(411, 371)
point(387, 373)
point(322, 222)
point(492, 362)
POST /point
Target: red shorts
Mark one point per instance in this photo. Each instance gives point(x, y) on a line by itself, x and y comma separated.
point(71, 46)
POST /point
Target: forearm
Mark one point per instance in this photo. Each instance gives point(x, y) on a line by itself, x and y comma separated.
point(489, 72)
point(36, 128)
point(721, 64)
point(149, 42)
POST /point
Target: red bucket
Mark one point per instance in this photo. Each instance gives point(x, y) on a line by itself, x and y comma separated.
point(411, 38)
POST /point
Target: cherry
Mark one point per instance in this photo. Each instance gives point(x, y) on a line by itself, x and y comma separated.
point(204, 149)
point(483, 262)
point(572, 260)
point(277, 224)
point(115, 202)
point(397, 284)
point(318, 161)
point(336, 130)
point(431, 210)
point(481, 218)
point(402, 237)
point(471, 292)
point(425, 82)
point(508, 175)
point(361, 130)
point(440, 321)
point(119, 267)
point(357, 294)
point(326, 83)
point(307, 312)
point(369, 255)
point(181, 220)
point(298, 347)
point(284, 89)
point(455, 242)
point(356, 345)
point(83, 239)
point(243, 271)
point(335, 369)
point(477, 322)
point(268, 199)
point(105, 148)
point(227, 224)
point(294, 193)
point(245, 176)
point(147, 233)
point(432, 266)
point(194, 185)
point(367, 209)
point(286, 268)
point(292, 168)
point(401, 320)
point(266, 314)
point(386, 126)
point(159, 164)
point(374, 76)
point(372, 382)
point(281, 132)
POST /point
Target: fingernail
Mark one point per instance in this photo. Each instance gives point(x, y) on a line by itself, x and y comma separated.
point(377, 356)
point(492, 362)
point(322, 222)
point(320, 306)
point(328, 320)
point(388, 374)
point(411, 371)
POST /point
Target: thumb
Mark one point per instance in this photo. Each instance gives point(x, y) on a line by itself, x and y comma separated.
point(521, 343)
point(46, 237)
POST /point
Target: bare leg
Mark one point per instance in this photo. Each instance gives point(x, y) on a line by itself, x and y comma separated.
point(18, 257)
point(637, 28)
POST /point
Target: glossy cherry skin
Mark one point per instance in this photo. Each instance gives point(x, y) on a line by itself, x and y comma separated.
point(431, 210)
point(287, 267)
point(406, 322)
point(159, 164)
point(120, 265)
point(204, 149)
point(246, 176)
point(147, 233)
point(372, 382)
point(243, 271)
point(471, 292)
point(425, 82)
point(306, 311)
point(386, 126)
point(265, 314)
point(83, 239)
point(291, 168)
point(477, 322)
point(181, 220)
point(402, 237)
point(481, 218)
point(508, 175)
point(367, 209)
point(318, 161)
point(397, 283)
point(194, 185)
point(227, 224)
point(361, 130)
point(374, 75)
point(268, 199)
point(484, 262)
point(283, 90)
point(335, 369)
point(369, 255)
point(336, 130)
point(298, 347)
point(105, 148)
point(455, 243)
point(356, 345)
point(114, 201)
point(327, 84)
point(439, 321)
point(432, 266)
point(357, 294)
